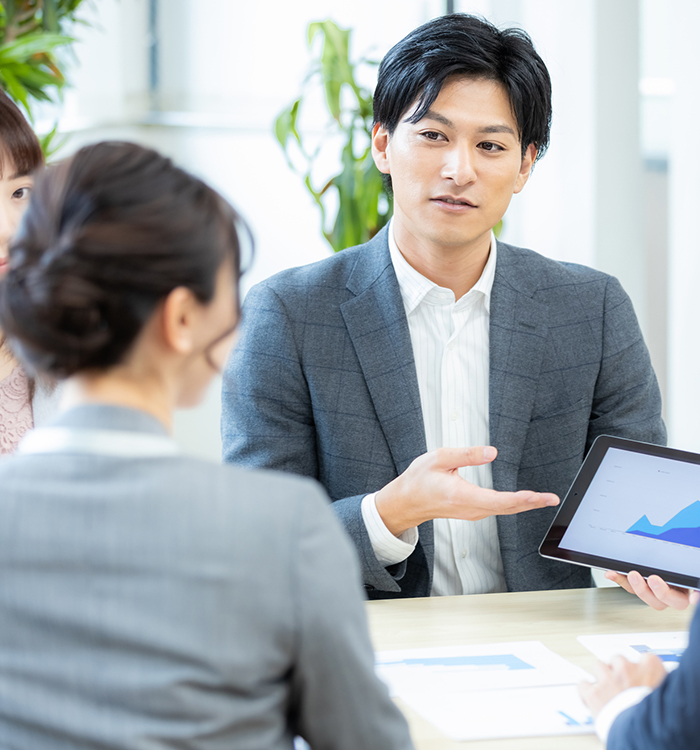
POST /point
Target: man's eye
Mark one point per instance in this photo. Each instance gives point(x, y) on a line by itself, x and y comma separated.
point(431, 135)
point(488, 146)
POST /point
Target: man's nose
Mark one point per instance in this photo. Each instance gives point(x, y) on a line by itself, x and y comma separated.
point(459, 166)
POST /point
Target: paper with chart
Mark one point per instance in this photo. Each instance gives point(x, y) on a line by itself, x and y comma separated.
point(642, 509)
point(493, 690)
point(669, 647)
point(526, 712)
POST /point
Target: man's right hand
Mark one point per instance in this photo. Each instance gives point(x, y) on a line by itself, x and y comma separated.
point(432, 488)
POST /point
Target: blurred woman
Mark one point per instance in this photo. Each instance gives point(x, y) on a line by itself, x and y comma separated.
point(23, 401)
point(149, 599)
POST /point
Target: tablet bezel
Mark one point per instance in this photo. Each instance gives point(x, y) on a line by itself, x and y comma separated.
point(550, 544)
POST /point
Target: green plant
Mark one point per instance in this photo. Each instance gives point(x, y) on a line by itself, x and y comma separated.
point(30, 31)
point(363, 204)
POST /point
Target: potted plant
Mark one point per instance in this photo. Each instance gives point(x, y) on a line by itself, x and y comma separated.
point(356, 193)
point(30, 32)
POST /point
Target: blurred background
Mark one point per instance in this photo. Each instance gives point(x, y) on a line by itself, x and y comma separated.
point(204, 80)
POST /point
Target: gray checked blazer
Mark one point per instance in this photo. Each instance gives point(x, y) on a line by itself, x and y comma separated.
point(168, 602)
point(323, 383)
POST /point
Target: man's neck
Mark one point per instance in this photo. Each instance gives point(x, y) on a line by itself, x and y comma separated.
point(457, 267)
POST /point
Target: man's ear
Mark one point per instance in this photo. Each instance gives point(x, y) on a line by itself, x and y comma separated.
point(178, 320)
point(525, 168)
point(380, 144)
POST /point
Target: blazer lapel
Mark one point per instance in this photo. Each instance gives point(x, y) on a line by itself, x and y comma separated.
point(518, 332)
point(376, 322)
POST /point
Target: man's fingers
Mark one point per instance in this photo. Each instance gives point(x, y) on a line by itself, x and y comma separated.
point(670, 596)
point(508, 503)
point(642, 590)
point(619, 579)
point(655, 591)
point(480, 503)
point(455, 458)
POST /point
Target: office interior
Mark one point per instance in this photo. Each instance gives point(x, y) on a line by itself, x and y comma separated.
point(203, 80)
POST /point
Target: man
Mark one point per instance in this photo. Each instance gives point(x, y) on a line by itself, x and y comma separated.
point(371, 370)
point(631, 715)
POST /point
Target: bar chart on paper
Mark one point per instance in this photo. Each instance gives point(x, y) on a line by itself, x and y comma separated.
point(668, 646)
point(488, 667)
point(496, 690)
point(524, 712)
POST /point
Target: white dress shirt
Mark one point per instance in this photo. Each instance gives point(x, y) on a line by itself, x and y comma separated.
point(614, 707)
point(450, 341)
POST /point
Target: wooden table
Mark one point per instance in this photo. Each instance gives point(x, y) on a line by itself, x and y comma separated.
point(553, 617)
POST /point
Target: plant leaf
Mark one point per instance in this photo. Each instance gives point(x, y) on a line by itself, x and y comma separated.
point(31, 44)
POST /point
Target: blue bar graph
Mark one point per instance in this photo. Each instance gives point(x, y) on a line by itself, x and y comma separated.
point(485, 662)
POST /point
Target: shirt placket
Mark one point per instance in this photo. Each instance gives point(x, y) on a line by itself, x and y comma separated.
point(455, 428)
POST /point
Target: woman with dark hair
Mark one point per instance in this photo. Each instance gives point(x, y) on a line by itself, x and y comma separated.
point(150, 599)
point(23, 401)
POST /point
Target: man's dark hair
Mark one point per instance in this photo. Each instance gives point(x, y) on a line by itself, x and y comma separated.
point(415, 70)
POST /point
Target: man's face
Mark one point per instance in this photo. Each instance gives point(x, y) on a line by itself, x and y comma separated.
point(454, 171)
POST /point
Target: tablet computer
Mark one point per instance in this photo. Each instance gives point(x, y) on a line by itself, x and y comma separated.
point(632, 506)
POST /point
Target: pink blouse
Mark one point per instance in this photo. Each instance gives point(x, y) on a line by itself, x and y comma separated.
point(16, 416)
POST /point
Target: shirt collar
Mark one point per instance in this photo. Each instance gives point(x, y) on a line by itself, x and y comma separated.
point(414, 286)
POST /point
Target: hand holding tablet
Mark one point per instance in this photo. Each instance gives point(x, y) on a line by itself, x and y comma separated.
point(634, 508)
point(654, 591)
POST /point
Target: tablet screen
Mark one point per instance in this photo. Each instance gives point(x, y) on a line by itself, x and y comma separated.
point(633, 506)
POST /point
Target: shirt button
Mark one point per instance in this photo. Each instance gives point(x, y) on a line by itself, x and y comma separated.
point(450, 347)
point(464, 553)
point(453, 415)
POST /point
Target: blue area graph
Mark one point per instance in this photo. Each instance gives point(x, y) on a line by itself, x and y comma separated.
point(683, 528)
point(571, 722)
point(672, 655)
point(490, 661)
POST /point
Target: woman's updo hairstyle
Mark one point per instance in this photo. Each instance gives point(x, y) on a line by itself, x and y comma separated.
point(108, 234)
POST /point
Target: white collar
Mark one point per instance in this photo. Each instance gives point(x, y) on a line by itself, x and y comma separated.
point(118, 443)
point(414, 286)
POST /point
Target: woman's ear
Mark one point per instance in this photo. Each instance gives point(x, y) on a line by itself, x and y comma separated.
point(179, 314)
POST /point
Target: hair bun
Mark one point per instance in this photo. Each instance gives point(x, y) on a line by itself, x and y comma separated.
point(107, 235)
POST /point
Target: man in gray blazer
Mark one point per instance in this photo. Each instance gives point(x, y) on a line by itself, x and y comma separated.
point(433, 337)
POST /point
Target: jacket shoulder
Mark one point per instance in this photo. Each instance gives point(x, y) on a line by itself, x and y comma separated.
point(333, 271)
point(537, 265)
point(555, 282)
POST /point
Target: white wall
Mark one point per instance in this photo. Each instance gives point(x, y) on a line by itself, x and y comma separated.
point(227, 68)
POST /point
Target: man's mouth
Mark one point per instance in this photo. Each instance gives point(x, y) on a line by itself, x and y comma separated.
point(452, 201)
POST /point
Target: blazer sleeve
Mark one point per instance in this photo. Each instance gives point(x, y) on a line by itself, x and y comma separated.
point(267, 418)
point(266, 413)
point(627, 400)
point(668, 718)
point(338, 700)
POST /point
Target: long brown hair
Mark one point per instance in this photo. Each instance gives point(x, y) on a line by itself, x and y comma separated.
point(20, 152)
point(19, 146)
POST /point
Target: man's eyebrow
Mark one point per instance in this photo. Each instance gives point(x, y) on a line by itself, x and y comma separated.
point(431, 114)
point(497, 129)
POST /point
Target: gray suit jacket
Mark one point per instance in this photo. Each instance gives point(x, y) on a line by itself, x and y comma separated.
point(323, 383)
point(170, 602)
